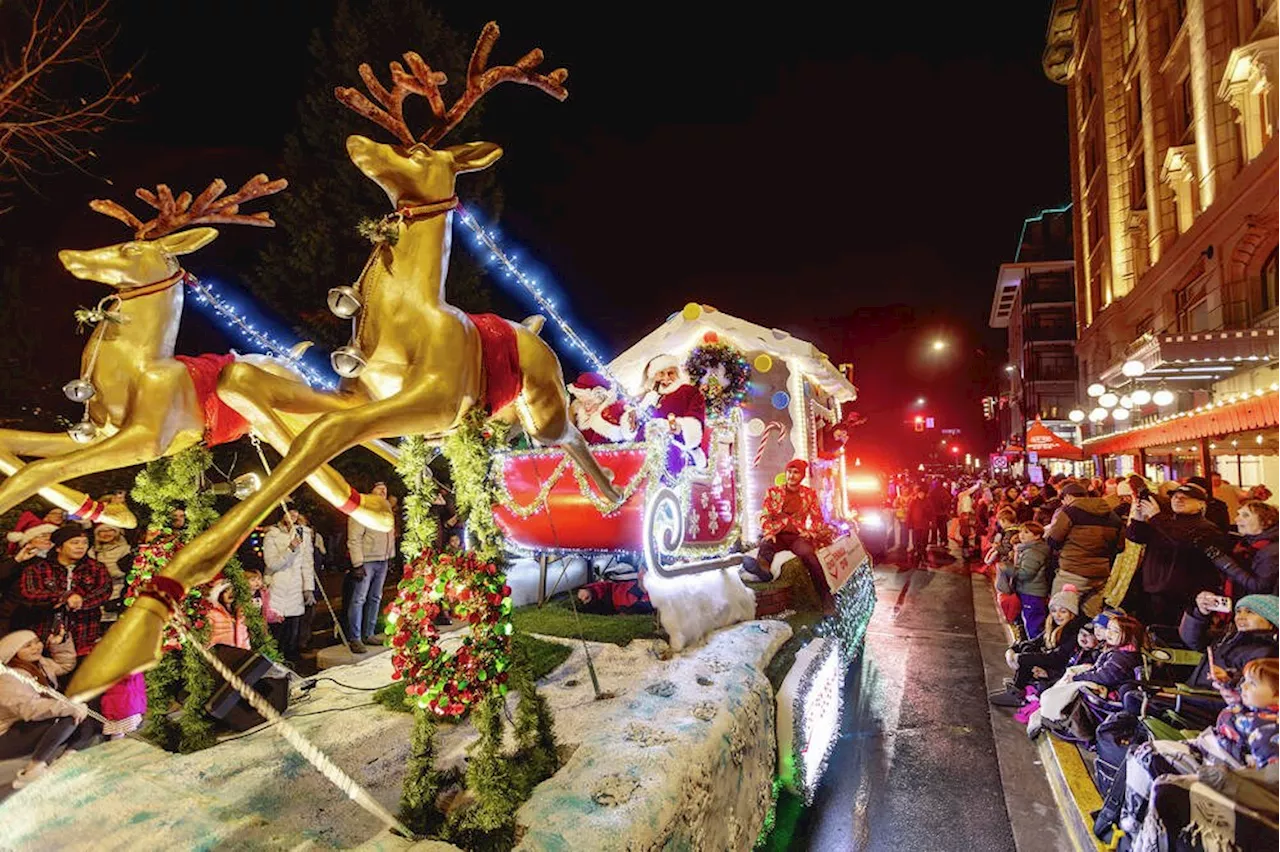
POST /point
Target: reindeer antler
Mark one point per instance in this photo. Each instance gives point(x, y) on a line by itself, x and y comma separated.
point(206, 208)
point(421, 80)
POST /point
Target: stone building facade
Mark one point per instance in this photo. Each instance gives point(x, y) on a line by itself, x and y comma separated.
point(1173, 160)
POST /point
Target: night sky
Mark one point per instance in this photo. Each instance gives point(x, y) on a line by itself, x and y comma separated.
point(855, 180)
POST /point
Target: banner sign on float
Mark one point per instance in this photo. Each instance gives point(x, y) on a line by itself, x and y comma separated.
point(840, 559)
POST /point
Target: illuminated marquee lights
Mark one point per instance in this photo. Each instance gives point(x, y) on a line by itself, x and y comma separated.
point(261, 340)
point(488, 239)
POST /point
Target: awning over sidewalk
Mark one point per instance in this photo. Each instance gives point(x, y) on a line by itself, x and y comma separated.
point(1047, 445)
point(1253, 412)
point(1210, 355)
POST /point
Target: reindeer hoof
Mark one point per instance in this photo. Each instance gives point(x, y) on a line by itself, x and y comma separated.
point(131, 645)
point(374, 512)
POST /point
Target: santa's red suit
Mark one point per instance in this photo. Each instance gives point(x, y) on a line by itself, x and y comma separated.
point(682, 405)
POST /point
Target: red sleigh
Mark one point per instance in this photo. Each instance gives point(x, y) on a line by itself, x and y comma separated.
point(682, 526)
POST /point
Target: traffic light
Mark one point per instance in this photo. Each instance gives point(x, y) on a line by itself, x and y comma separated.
point(988, 408)
point(919, 423)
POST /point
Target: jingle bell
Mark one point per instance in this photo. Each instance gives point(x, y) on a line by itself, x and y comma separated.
point(83, 432)
point(347, 361)
point(246, 485)
point(79, 390)
point(344, 302)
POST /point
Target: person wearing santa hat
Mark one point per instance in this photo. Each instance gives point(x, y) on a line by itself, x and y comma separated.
point(597, 412)
point(670, 396)
point(792, 520)
point(33, 544)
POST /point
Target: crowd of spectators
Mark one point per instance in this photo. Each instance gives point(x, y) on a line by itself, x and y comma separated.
point(1101, 580)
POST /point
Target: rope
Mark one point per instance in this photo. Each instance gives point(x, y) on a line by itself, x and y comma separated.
point(573, 602)
point(293, 737)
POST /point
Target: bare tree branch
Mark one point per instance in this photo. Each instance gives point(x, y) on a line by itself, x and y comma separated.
point(57, 90)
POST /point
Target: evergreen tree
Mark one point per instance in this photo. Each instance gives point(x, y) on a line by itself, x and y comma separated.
point(328, 196)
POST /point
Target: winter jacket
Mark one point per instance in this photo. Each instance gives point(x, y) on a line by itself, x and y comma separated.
point(1260, 575)
point(1031, 568)
point(225, 628)
point(366, 545)
point(1053, 660)
point(19, 702)
point(1230, 652)
point(919, 513)
point(1114, 667)
point(289, 572)
point(43, 590)
point(1086, 535)
point(1174, 562)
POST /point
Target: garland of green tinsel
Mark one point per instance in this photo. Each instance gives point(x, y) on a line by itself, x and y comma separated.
point(477, 677)
point(164, 485)
point(421, 530)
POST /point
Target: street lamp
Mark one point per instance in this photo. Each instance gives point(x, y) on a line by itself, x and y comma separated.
point(1076, 415)
point(939, 345)
point(919, 400)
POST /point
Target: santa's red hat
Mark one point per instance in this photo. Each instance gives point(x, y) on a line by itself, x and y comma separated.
point(587, 381)
point(657, 363)
point(798, 464)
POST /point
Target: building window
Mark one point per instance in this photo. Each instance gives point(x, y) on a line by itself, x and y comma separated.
point(1269, 284)
point(1192, 307)
point(1052, 406)
point(1186, 112)
point(1138, 182)
point(1053, 366)
point(1133, 111)
point(1052, 324)
point(1089, 90)
point(1246, 86)
point(1145, 325)
point(1129, 28)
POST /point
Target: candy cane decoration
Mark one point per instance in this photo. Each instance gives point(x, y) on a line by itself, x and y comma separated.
point(764, 440)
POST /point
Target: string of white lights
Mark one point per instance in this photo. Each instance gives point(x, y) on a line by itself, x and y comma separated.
point(485, 237)
point(261, 340)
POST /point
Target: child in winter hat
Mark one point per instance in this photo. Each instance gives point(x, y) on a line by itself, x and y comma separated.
point(1068, 598)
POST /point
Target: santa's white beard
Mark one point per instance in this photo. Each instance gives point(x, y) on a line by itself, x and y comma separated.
point(671, 386)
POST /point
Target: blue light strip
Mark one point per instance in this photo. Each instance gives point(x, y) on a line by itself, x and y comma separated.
point(263, 341)
point(488, 240)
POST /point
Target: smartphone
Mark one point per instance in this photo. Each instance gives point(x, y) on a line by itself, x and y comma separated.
point(1220, 604)
point(1144, 494)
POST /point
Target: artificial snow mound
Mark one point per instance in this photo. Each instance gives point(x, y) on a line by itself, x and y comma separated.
point(681, 758)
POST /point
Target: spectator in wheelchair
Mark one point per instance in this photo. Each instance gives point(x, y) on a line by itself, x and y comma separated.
point(1249, 635)
point(1237, 751)
point(1044, 657)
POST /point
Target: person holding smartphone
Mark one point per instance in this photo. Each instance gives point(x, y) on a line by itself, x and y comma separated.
point(288, 556)
point(1174, 566)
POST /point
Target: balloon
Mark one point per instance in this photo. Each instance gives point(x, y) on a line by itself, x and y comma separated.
point(710, 337)
point(781, 400)
point(763, 363)
point(780, 479)
point(755, 427)
point(691, 311)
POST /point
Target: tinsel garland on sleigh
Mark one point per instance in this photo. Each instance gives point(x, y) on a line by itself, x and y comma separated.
point(166, 484)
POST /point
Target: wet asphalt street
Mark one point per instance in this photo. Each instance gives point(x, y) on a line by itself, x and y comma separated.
point(915, 767)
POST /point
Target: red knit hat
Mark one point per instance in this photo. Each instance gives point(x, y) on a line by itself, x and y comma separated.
point(799, 464)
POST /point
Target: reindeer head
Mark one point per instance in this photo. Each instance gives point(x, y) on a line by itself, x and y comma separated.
point(414, 172)
point(153, 255)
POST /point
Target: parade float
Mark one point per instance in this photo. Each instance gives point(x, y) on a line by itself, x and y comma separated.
point(661, 743)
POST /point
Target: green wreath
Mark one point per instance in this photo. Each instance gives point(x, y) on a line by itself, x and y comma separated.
point(461, 587)
point(702, 365)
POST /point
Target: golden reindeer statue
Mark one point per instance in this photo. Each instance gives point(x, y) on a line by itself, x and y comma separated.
point(142, 401)
point(416, 364)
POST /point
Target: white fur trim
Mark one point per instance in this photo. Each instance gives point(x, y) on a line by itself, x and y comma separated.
point(690, 431)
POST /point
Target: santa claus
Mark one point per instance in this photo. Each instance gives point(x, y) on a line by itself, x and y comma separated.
point(597, 411)
point(671, 397)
